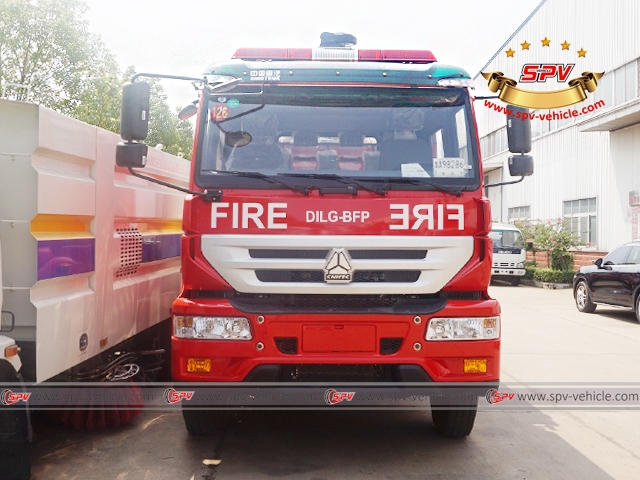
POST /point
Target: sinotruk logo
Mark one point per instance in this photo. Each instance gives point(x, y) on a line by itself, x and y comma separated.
point(531, 62)
point(338, 268)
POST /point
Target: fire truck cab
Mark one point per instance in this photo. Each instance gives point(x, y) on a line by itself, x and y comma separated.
point(336, 228)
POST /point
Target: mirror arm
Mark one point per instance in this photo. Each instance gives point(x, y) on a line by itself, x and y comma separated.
point(208, 195)
point(505, 183)
point(170, 77)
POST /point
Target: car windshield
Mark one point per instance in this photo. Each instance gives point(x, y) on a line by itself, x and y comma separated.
point(505, 239)
point(404, 138)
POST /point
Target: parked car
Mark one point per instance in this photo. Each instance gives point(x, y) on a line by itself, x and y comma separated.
point(509, 253)
point(612, 280)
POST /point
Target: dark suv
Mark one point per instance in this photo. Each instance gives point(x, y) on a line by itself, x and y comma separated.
point(612, 280)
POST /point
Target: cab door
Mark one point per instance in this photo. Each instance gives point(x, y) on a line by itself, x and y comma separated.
point(606, 281)
point(629, 278)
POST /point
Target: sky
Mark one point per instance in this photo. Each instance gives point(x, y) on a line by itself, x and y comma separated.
point(185, 37)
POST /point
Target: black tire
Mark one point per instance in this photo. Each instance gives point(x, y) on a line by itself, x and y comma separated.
point(15, 461)
point(204, 423)
point(454, 423)
point(582, 296)
point(515, 281)
point(638, 308)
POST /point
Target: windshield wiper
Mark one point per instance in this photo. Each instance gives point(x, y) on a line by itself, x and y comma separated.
point(345, 180)
point(270, 179)
point(436, 186)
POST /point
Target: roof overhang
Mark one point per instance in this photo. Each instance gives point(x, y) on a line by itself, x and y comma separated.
point(622, 116)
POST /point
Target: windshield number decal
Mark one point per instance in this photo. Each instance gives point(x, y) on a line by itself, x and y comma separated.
point(450, 167)
point(219, 113)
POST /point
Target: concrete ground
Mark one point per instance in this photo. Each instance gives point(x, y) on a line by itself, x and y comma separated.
point(545, 339)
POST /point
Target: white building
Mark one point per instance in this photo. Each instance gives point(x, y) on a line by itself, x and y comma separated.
point(587, 167)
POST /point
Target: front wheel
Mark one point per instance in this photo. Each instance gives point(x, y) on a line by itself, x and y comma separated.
point(583, 298)
point(515, 281)
point(455, 423)
point(638, 308)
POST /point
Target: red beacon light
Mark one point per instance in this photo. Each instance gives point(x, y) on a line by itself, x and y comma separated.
point(335, 54)
point(336, 47)
point(408, 56)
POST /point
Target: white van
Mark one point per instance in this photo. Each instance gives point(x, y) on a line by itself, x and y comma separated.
point(509, 253)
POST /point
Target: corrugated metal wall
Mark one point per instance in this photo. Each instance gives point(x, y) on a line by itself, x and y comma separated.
point(570, 164)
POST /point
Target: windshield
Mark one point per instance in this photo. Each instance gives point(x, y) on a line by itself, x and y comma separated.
point(506, 240)
point(403, 137)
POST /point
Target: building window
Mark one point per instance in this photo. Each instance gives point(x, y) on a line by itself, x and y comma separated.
point(494, 143)
point(519, 213)
point(581, 215)
point(625, 78)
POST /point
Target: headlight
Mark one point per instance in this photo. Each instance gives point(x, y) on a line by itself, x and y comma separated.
point(520, 265)
point(212, 328)
point(475, 328)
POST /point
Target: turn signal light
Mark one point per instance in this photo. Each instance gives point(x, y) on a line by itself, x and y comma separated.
point(198, 365)
point(11, 351)
point(475, 365)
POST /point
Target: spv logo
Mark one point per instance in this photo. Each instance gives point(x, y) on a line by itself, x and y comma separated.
point(540, 72)
point(494, 396)
point(172, 395)
point(333, 396)
point(7, 397)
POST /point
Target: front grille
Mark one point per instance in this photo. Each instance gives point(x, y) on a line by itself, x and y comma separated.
point(237, 257)
point(389, 276)
point(355, 254)
point(388, 254)
point(504, 265)
point(273, 253)
point(460, 295)
point(287, 345)
point(340, 301)
point(295, 276)
point(317, 276)
point(338, 373)
point(347, 304)
point(389, 346)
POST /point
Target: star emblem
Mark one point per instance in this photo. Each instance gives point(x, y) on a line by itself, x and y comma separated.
point(509, 52)
point(582, 52)
point(525, 45)
point(565, 45)
point(545, 42)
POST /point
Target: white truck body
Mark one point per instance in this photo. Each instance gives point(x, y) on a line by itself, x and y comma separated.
point(509, 253)
point(90, 254)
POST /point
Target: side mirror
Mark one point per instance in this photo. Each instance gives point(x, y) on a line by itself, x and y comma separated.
point(519, 130)
point(520, 165)
point(598, 263)
point(134, 116)
point(132, 155)
point(529, 246)
point(237, 139)
point(188, 111)
point(7, 322)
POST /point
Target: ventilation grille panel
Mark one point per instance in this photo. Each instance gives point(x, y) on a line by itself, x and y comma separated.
point(130, 251)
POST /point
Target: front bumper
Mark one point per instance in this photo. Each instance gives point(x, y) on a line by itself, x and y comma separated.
point(352, 339)
point(508, 272)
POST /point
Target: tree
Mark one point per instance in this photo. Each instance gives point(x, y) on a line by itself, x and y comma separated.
point(554, 236)
point(47, 46)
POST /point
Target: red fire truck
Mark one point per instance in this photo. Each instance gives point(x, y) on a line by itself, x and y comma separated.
point(335, 227)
